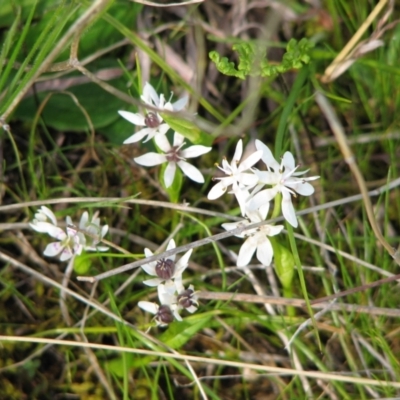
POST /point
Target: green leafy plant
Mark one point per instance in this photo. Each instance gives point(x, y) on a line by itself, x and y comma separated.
point(251, 63)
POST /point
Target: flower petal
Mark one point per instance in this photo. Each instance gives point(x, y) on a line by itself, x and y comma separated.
point(104, 231)
point(274, 229)
point(101, 248)
point(166, 293)
point(163, 129)
point(148, 306)
point(41, 226)
point(56, 232)
point(263, 211)
point(228, 226)
point(169, 174)
point(247, 179)
point(153, 282)
point(171, 245)
point(246, 252)
point(250, 160)
point(161, 103)
point(139, 135)
point(176, 314)
point(163, 143)
point(191, 309)
point(268, 177)
point(178, 139)
point(179, 284)
point(191, 171)
point(135, 119)
point(217, 191)
point(195, 151)
point(150, 95)
point(148, 252)
point(262, 198)
point(53, 249)
point(301, 187)
point(182, 263)
point(84, 222)
point(238, 152)
point(150, 159)
point(49, 214)
point(242, 195)
point(180, 104)
point(66, 254)
point(288, 209)
point(264, 251)
point(150, 268)
point(267, 156)
point(288, 161)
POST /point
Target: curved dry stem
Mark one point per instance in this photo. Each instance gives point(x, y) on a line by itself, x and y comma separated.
point(215, 361)
point(349, 157)
point(353, 41)
point(318, 304)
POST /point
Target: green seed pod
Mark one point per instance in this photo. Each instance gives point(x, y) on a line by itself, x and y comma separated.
point(82, 264)
point(284, 263)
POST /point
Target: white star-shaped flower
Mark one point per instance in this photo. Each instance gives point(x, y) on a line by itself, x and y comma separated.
point(257, 238)
point(152, 120)
point(284, 179)
point(166, 269)
point(97, 233)
point(68, 242)
point(186, 298)
point(240, 176)
point(163, 314)
point(175, 157)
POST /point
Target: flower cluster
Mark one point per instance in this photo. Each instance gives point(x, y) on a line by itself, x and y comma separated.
point(247, 184)
point(155, 127)
point(70, 241)
point(172, 294)
point(254, 189)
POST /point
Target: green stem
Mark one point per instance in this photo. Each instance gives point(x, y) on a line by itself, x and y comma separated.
point(302, 280)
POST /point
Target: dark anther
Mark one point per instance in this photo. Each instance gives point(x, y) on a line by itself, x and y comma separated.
point(151, 120)
point(164, 315)
point(185, 298)
point(165, 268)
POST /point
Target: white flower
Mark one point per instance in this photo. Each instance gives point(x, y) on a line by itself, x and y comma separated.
point(68, 242)
point(283, 179)
point(257, 238)
point(186, 298)
point(163, 314)
point(151, 97)
point(151, 120)
point(175, 157)
point(44, 220)
point(96, 233)
point(240, 180)
point(166, 269)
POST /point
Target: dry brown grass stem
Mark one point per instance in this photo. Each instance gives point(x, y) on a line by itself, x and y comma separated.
point(350, 159)
point(300, 303)
point(327, 77)
point(275, 371)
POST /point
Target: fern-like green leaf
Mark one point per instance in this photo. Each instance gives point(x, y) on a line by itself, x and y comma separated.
point(251, 63)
